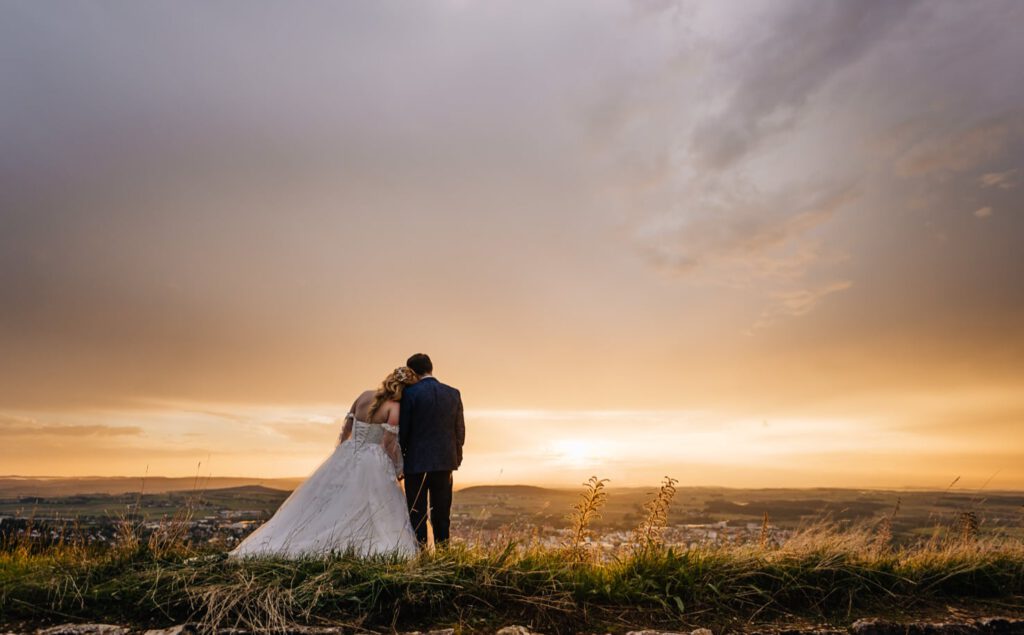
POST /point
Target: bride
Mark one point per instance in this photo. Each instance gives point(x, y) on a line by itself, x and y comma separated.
point(352, 502)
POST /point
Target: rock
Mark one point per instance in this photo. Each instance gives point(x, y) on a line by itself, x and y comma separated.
point(699, 631)
point(1000, 626)
point(515, 630)
point(875, 626)
point(180, 629)
point(984, 626)
point(810, 630)
point(942, 628)
point(84, 629)
point(195, 629)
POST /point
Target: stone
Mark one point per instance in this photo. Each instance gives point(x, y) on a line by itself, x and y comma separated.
point(515, 629)
point(984, 626)
point(942, 628)
point(84, 629)
point(875, 626)
point(1000, 626)
point(808, 630)
point(180, 629)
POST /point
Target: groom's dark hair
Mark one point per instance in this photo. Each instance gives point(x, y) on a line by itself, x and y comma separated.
point(420, 364)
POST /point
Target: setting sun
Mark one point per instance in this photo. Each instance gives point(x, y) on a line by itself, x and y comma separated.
point(574, 453)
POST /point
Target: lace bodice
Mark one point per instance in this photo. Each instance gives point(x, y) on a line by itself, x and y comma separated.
point(363, 433)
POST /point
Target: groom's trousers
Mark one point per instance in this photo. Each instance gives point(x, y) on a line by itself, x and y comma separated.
point(433, 490)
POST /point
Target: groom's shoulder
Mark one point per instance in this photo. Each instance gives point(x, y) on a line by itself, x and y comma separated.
point(451, 389)
point(413, 388)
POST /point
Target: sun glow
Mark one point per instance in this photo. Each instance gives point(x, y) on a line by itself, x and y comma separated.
point(575, 453)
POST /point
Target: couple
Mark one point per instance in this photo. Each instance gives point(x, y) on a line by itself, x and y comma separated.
point(411, 427)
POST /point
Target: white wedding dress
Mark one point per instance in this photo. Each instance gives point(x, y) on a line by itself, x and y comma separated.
point(351, 503)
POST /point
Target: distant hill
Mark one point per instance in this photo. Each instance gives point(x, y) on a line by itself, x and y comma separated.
point(15, 486)
point(244, 490)
point(518, 490)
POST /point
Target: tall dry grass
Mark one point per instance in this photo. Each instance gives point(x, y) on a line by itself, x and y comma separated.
point(650, 532)
point(582, 516)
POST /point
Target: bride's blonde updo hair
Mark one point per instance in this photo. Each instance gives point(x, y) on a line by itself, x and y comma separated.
point(391, 388)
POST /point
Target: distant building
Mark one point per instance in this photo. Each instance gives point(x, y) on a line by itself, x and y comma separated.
point(241, 525)
point(240, 514)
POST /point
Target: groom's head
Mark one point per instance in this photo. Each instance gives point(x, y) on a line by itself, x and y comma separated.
point(420, 364)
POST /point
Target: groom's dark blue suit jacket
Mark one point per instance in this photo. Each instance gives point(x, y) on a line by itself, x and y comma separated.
point(431, 428)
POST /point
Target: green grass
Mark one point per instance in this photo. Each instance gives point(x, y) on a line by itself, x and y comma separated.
point(822, 574)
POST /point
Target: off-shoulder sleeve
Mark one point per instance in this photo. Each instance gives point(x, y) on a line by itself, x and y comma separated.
point(389, 441)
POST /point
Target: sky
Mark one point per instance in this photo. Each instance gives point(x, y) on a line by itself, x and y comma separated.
point(747, 244)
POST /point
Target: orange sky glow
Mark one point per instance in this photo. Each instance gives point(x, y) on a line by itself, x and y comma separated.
point(761, 245)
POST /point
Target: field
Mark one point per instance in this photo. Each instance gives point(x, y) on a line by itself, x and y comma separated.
point(920, 511)
point(489, 510)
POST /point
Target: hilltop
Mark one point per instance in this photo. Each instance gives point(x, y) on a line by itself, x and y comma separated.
point(15, 486)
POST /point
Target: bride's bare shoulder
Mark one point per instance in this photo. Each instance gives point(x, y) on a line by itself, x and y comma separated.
point(364, 398)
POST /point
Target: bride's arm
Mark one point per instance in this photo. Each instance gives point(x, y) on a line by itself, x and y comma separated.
point(346, 430)
point(390, 441)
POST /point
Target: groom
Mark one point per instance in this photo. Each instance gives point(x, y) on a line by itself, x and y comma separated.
point(431, 432)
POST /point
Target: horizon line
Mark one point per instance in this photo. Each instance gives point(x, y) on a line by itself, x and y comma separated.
point(536, 485)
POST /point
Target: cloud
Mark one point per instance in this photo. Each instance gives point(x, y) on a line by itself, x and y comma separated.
point(771, 74)
point(797, 303)
point(16, 426)
point(873, 102)
point(1004, 180)
point(983, 212)
point(749, 234)
point(313, 432)
point(726, 193)
point(939, 153)
point(765, 242)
